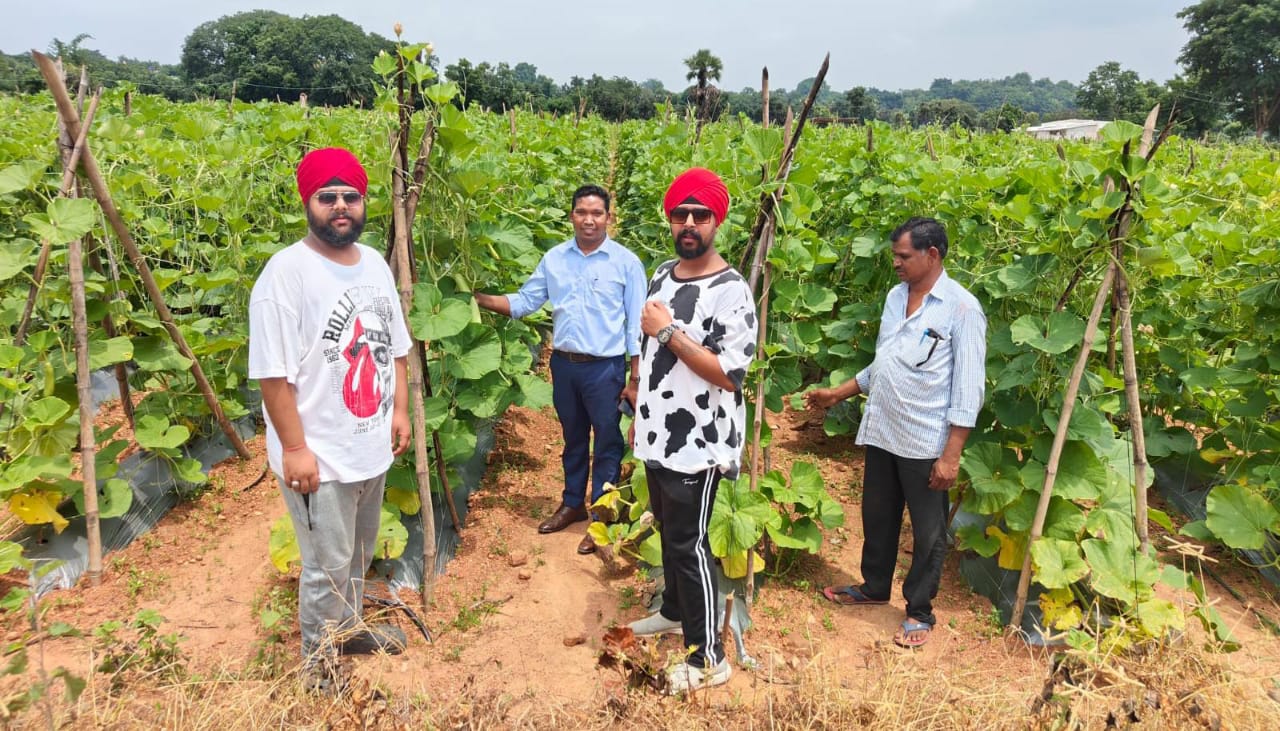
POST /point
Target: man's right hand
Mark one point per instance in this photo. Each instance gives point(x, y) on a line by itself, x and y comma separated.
point(300, 472)
point(631, 435)
point(822, 398)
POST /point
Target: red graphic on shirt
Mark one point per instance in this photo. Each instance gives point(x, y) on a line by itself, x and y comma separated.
point(361, 390)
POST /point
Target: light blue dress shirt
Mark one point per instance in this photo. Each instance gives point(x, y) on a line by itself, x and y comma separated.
point(929, 372)
point(595, 298)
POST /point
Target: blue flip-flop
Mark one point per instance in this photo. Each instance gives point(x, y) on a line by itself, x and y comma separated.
point(848, 596)
point(909, 626)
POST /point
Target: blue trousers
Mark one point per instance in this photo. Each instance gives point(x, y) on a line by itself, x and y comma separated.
point(586, 400)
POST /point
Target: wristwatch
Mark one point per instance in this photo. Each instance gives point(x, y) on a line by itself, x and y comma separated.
point(664, 335)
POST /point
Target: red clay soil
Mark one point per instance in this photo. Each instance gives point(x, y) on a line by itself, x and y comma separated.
point(521, 615)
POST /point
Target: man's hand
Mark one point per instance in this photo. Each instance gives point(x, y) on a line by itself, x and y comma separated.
point(401, 432)
point(822, 398)
point(653, 317)
point(631, 392)
point(631, 435)
point(300, 472)
point(944, 472)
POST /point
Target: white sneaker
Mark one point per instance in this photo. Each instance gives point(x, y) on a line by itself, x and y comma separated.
point(655, 624)
point(685, 677)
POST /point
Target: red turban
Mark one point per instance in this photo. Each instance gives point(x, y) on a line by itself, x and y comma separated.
point(321, 166)
point(703, 186)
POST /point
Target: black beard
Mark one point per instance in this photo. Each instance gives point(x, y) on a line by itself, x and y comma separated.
point(696, 251)
point(329, 235)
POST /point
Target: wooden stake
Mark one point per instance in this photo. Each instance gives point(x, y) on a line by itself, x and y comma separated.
point(1059, 440)
point(422, 465)
point(871, 137)
point(103, 195)
point(511, 116)
point(1136, 428)
point(764, 95)
point(84, 391)
point(762, 319)
point(770, 199)
point(928, 146)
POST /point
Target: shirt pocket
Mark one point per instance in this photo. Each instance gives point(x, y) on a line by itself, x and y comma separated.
point(927, 350)
point(608, 287)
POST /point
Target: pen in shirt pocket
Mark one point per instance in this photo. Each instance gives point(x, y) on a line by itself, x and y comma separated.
point(937, 338)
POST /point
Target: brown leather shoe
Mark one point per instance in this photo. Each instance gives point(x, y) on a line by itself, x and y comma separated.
point(562, 518)
point(588, 545)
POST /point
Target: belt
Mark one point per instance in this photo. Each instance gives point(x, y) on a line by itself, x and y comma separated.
point(581, 357)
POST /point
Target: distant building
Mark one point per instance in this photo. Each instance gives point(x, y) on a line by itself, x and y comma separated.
point(1068, 129)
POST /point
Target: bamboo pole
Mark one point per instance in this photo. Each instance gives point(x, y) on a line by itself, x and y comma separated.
point(1059, 440)
point(84, 389)
point(770, 199)
point(871, 137)
point(1135, 410)
point(103, 195)
point(764, 96)
point(758, 417)
point(422, 465)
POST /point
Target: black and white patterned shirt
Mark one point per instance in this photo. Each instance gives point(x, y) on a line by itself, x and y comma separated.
point(684, 423)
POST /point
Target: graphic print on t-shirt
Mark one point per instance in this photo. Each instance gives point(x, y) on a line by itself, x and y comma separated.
point(357, 337)
point(361, 391)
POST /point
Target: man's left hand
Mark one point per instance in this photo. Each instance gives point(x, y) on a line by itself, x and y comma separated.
point(631, 392)
point(653, 317)
point(944, 472)
point(401, 432)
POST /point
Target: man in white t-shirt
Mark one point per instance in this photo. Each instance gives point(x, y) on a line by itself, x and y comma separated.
point(699, 327)
point(328, 346)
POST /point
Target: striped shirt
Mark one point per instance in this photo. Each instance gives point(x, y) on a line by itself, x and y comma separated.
point(929, 373)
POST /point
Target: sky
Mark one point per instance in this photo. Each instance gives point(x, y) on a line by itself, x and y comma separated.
point(890, 45)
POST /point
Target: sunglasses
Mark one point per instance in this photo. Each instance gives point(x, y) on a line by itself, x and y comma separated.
point(330, 198)
point(700, 215)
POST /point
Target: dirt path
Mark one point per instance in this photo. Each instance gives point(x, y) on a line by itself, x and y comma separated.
point(518, 617)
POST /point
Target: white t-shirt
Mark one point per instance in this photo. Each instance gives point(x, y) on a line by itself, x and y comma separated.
point(334, 332)
point(684, 423)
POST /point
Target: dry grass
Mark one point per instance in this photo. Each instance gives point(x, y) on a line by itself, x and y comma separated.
point(1161, 686)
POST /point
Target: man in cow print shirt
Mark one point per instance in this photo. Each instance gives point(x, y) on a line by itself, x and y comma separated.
point(699, 329)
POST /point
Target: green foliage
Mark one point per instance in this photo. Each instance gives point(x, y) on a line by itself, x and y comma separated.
point(1231, 57)
point(1111, 92)
point(268, 55)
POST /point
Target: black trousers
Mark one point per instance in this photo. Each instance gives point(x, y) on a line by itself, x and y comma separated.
point(889, 483)
point(682, 506)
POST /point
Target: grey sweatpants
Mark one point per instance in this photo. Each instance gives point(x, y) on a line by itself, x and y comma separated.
point(337, 529)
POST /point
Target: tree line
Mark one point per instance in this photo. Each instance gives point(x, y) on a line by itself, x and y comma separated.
point(1230, 80)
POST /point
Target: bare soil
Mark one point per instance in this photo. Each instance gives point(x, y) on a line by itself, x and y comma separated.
point(518, 617)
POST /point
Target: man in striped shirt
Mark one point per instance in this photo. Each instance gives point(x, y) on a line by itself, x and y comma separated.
point(924, 390)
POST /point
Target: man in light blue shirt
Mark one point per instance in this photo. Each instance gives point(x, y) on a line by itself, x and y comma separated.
point(596, 289)
point(924, 390)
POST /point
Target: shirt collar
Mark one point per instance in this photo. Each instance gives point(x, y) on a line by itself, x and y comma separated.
point(602, 248)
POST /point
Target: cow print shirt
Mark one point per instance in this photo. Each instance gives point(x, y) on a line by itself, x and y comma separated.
point(684, 423)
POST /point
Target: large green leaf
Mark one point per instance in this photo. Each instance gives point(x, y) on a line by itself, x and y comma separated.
point(46, 412)
point(20, 176)
point(15, 256)
point(993, 476)
point(64, 219)
point(433, 317)
point(1060, 333)
point(1240, 516)
point(1058, 563)
point(1120, 571)
point(155, 432)
point(392, 535)
point(115, 496)
point(473, 352)
point(109, 351)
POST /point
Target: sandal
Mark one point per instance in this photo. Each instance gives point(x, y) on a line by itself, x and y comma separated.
point(848, 596)
point(909, 626)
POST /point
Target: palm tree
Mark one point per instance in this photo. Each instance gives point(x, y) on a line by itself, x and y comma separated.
point(703, 66)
